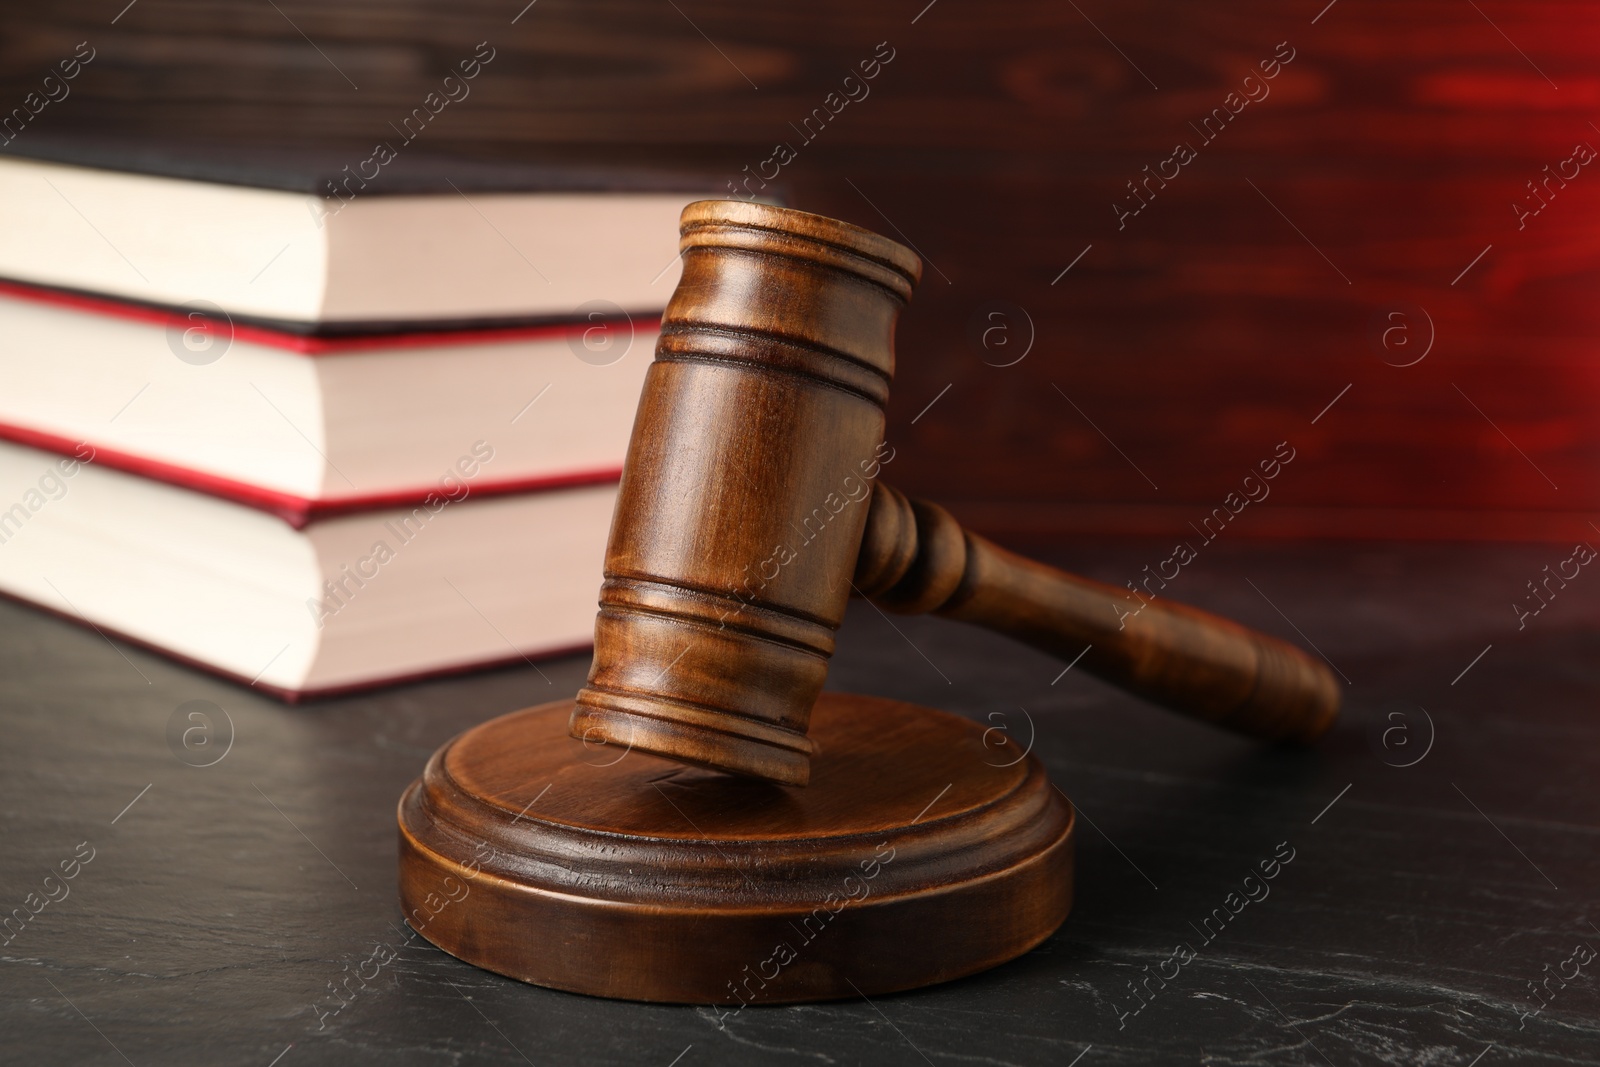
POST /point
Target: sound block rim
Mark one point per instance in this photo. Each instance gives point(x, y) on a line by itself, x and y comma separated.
point(600, 889)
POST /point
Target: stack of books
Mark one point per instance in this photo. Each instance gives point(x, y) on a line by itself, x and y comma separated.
point(312, 436)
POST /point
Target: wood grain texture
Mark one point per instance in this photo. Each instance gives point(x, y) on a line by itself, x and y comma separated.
point(749, 482)
point(916, 856)
point(744, 491)
point(915, 558)
point(997, 140)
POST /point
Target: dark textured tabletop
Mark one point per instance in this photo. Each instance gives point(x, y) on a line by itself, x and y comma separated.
point(1435, 863)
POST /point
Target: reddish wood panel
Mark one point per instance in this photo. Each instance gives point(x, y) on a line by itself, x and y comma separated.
point(1219, 321)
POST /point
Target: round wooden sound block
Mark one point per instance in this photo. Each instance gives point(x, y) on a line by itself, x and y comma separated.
point(917, 854)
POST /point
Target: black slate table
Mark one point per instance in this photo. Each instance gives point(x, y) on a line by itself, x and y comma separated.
point(1440, 905)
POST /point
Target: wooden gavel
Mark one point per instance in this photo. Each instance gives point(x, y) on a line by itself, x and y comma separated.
point(749, 511)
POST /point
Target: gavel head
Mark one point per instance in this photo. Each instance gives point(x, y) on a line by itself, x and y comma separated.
point(746, 489)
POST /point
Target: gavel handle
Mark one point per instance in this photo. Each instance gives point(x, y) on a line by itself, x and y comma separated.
point(916, 558)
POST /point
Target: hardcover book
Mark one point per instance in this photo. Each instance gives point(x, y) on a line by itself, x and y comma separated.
point(310, 244)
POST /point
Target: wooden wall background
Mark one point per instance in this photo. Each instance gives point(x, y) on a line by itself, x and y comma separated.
point(1189, 343)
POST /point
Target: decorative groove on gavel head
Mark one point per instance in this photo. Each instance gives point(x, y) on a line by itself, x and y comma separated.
point(746, 488)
